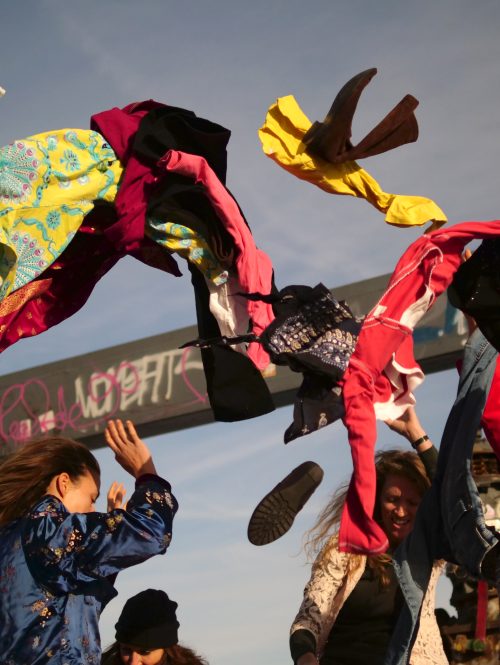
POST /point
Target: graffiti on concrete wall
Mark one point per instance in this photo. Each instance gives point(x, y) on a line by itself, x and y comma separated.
point(37, 406)
point(158, 385)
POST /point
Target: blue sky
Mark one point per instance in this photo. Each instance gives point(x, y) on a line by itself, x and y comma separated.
point(228, 61)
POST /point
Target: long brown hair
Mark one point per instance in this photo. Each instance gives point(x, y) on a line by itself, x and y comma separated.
point(177, 654)
point(26, 474)
point(321, 539)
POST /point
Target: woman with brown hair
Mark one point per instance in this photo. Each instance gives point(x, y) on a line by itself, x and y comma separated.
point(58, 557)
point(352, 601)
point(146, 634)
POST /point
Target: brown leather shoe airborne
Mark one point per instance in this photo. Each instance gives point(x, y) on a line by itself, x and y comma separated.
point(397, 128)
point(330, 139)
point(275, 513)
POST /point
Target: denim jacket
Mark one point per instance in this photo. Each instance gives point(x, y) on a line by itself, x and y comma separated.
point(450, 521)
point(57, 571)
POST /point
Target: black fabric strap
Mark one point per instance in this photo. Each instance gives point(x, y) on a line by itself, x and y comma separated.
point(422, 439)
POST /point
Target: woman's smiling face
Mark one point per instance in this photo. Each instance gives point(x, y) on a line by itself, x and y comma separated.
point(399, 500)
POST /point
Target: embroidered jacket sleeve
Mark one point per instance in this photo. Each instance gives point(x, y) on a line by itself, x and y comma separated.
point(70, 552)
point(330, 583)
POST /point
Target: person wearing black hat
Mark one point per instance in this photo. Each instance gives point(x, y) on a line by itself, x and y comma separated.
point(146, 634)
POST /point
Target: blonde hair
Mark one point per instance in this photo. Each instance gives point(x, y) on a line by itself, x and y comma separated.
point(321, 539)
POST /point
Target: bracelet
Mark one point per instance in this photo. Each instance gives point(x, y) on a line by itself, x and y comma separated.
point(415, 444)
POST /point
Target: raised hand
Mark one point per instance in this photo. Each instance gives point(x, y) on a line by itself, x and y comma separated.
point(115, 496)
point(408, 425)
point(131, 453)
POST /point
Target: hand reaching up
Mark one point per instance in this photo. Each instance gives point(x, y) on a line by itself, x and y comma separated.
point(408, 425)
point(130, 451)
point(116, 494)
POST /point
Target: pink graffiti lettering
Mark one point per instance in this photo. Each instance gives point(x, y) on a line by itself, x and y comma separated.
point(30, 409)
point(65, 417)
point(184, 358)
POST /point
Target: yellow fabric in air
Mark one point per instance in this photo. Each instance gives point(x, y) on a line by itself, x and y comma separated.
point(281, 137)
point(189, 244)
point(49, 182)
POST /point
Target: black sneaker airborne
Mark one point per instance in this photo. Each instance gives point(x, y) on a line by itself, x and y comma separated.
point(275, 513)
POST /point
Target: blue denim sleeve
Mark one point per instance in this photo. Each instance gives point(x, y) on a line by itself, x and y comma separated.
point(71, 552)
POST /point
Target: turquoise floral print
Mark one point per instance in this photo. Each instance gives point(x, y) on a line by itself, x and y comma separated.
point(18, 170)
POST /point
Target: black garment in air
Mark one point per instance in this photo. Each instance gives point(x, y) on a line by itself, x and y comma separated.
point(318, 402)
point(235, 387)
point(173, 128)
point(475, 289)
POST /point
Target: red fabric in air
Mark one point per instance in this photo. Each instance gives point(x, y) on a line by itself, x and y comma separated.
point(491, 414)
point(423, 272)
point(65, 286)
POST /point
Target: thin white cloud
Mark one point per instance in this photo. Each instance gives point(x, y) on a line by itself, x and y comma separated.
point(227, 457)
point(107, 65)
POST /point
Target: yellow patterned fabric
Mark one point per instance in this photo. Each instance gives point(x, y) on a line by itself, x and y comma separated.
point(190, 245)
point(281, 137)
point(48, 183)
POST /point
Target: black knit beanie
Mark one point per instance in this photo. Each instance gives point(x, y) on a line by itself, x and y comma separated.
point(148, 621)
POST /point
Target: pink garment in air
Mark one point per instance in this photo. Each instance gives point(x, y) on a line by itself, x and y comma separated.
point(253, 266)
point(384, 351)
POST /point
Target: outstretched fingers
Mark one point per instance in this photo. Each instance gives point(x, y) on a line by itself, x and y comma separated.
point(111, 436)
point(130, 451)
point(116, 436)
point(132, 432)
point(116, 494)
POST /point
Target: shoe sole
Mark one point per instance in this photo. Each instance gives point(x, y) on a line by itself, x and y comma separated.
point(275, 513)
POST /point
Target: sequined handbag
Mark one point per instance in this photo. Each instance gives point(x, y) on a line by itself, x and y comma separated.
point(312, 331)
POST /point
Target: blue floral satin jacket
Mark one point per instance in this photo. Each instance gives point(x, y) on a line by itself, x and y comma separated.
point(57, 571)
